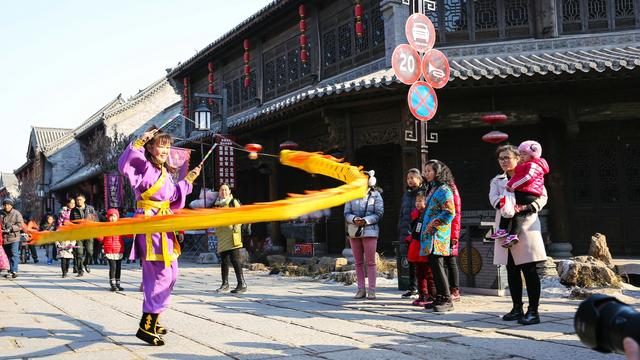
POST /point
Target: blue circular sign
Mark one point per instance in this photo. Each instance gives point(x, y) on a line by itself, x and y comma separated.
point(422, 100)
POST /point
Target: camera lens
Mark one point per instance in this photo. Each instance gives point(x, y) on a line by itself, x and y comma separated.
point(602, 322)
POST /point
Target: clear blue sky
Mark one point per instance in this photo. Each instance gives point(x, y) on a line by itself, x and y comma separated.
point(62, 60)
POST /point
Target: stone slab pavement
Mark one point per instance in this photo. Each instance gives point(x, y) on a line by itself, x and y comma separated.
point(45, 316)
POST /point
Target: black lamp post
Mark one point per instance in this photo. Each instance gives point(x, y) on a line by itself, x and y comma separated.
point(202, 117)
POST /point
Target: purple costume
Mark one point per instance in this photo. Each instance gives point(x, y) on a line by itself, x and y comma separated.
point(156, 193)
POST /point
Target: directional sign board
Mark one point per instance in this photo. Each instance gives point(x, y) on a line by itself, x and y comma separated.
point(435, 68)
point(406, 64)
point(420, 32)
point(422, 100)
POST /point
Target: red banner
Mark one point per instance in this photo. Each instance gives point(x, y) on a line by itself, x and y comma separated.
point(113, 194)
point(225, 169)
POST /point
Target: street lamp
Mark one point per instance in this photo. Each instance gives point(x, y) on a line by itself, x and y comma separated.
point(202, 116)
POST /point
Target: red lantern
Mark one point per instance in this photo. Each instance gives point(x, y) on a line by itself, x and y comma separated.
point(247, 69)
point(210, 89)
point(495, 137)
point(303, 40)
point(358, 16)
point(247, 81)
point(210, 66)
point(253, 147)
point(185, 92)
point(246, 44)
point(304, 56)
point(494, 118)
point(303, 25)
point(185, 81)
point(246, 57)
point(301, 10)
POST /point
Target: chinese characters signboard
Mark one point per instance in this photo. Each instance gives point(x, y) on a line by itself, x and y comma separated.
point(225, 168)
point(113, 191)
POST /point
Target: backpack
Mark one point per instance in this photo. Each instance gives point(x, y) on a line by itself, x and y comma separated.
point(245, 228)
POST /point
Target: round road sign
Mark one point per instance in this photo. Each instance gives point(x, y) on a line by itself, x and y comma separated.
point(422, 100)
point(420, 32)
point(406, 64)
point(435, 68)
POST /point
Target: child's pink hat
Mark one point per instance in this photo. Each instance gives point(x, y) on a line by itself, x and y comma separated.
point(531, 147)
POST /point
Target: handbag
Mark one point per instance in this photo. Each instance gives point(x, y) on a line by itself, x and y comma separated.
point(354, 230)
point(508, 204)
point(4, 260)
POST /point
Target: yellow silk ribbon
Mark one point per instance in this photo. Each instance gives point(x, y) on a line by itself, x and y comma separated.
point(292, 207)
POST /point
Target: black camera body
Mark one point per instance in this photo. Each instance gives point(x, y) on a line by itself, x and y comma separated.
point(602, 322)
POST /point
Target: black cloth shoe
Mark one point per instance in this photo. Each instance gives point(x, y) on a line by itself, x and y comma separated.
point(515, 314)
point(147, 330)
point(409, 294)
point(160, 330)
point(432, 305)
point(241, 288)
point(223, 288)
point(445, 305)
point(530, 318)
point(120, 288)
point(113, 285)
point(87, 269)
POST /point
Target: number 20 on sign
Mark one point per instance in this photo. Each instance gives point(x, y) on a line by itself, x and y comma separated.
point(406, 64)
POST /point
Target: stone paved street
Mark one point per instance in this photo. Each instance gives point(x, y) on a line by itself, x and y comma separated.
point(44, 316)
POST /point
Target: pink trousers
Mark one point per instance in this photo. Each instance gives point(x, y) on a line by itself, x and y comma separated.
point(364, 248)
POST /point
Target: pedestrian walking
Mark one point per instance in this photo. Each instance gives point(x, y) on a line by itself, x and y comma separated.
point(415, 185)
point(12, 225)
point(83, 253)
point(144, 164)
point(435, 239)
point(521, 258)
point(362, 217)
point(229, 243)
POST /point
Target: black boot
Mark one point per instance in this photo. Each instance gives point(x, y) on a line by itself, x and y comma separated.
point(147, 330)
point(120, 288)
point(161, 330)
point(530, 318)
point(434, 303)
point(112, 282)
point(515, 314)
point(445, 304)
point(242, 286)
point(224, 287)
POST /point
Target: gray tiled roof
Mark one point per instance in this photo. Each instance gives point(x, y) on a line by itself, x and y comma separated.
point(468, 68)
point(81, 174)
point(46, 135)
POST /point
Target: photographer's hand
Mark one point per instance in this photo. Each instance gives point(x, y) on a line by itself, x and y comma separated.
point(631, 348)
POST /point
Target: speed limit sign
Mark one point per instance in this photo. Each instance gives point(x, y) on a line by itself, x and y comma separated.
point(406, 64)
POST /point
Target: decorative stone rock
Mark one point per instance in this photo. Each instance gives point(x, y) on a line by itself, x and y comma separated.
point(346, 277)
point(208, 258)
point(391, 274)
point(599, 249)
point(340, 262)
point(276, 260)
point(348, 267)
point(547, 268)
point(257, 267)
point(586, 271)
point(583, 293)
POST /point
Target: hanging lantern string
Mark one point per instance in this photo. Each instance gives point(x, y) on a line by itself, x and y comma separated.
point(234, 145)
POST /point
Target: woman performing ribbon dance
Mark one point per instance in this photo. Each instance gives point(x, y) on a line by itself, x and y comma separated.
point(144, 163)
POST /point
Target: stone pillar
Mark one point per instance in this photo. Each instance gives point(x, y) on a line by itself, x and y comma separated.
point(546, 25)
point(395, 16)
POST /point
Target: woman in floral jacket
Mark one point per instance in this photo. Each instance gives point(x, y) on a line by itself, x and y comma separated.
point(435, 240)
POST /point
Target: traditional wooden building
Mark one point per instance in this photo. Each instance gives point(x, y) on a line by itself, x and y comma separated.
point(565, 72)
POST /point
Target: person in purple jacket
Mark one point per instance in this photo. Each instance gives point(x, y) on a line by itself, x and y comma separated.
point(144, 163)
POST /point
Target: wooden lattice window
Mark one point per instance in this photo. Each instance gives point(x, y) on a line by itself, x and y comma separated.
point(341, 48)
point(239, 97)
point(482, 20)
point(579, 16)
point(283, 70)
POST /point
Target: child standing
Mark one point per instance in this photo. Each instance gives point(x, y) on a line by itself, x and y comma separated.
point(113, 247)
point(424, 275)
point(65, 254)
point(49, 224)
point(527, 184)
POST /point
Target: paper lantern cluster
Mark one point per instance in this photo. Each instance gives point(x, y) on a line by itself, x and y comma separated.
point(358, 14)
point(211, 88)
point(185, 97)
point(304, 53)
point(247, 68)
point(494, 136)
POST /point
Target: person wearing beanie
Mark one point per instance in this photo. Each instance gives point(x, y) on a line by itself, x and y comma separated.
point(415, 184)
point(527, 184)
point(114, 252)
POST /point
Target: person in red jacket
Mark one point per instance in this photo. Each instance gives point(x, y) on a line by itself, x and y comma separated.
point(424, 275)
point(450, 261)
point(527, 184)
point(113, 250)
